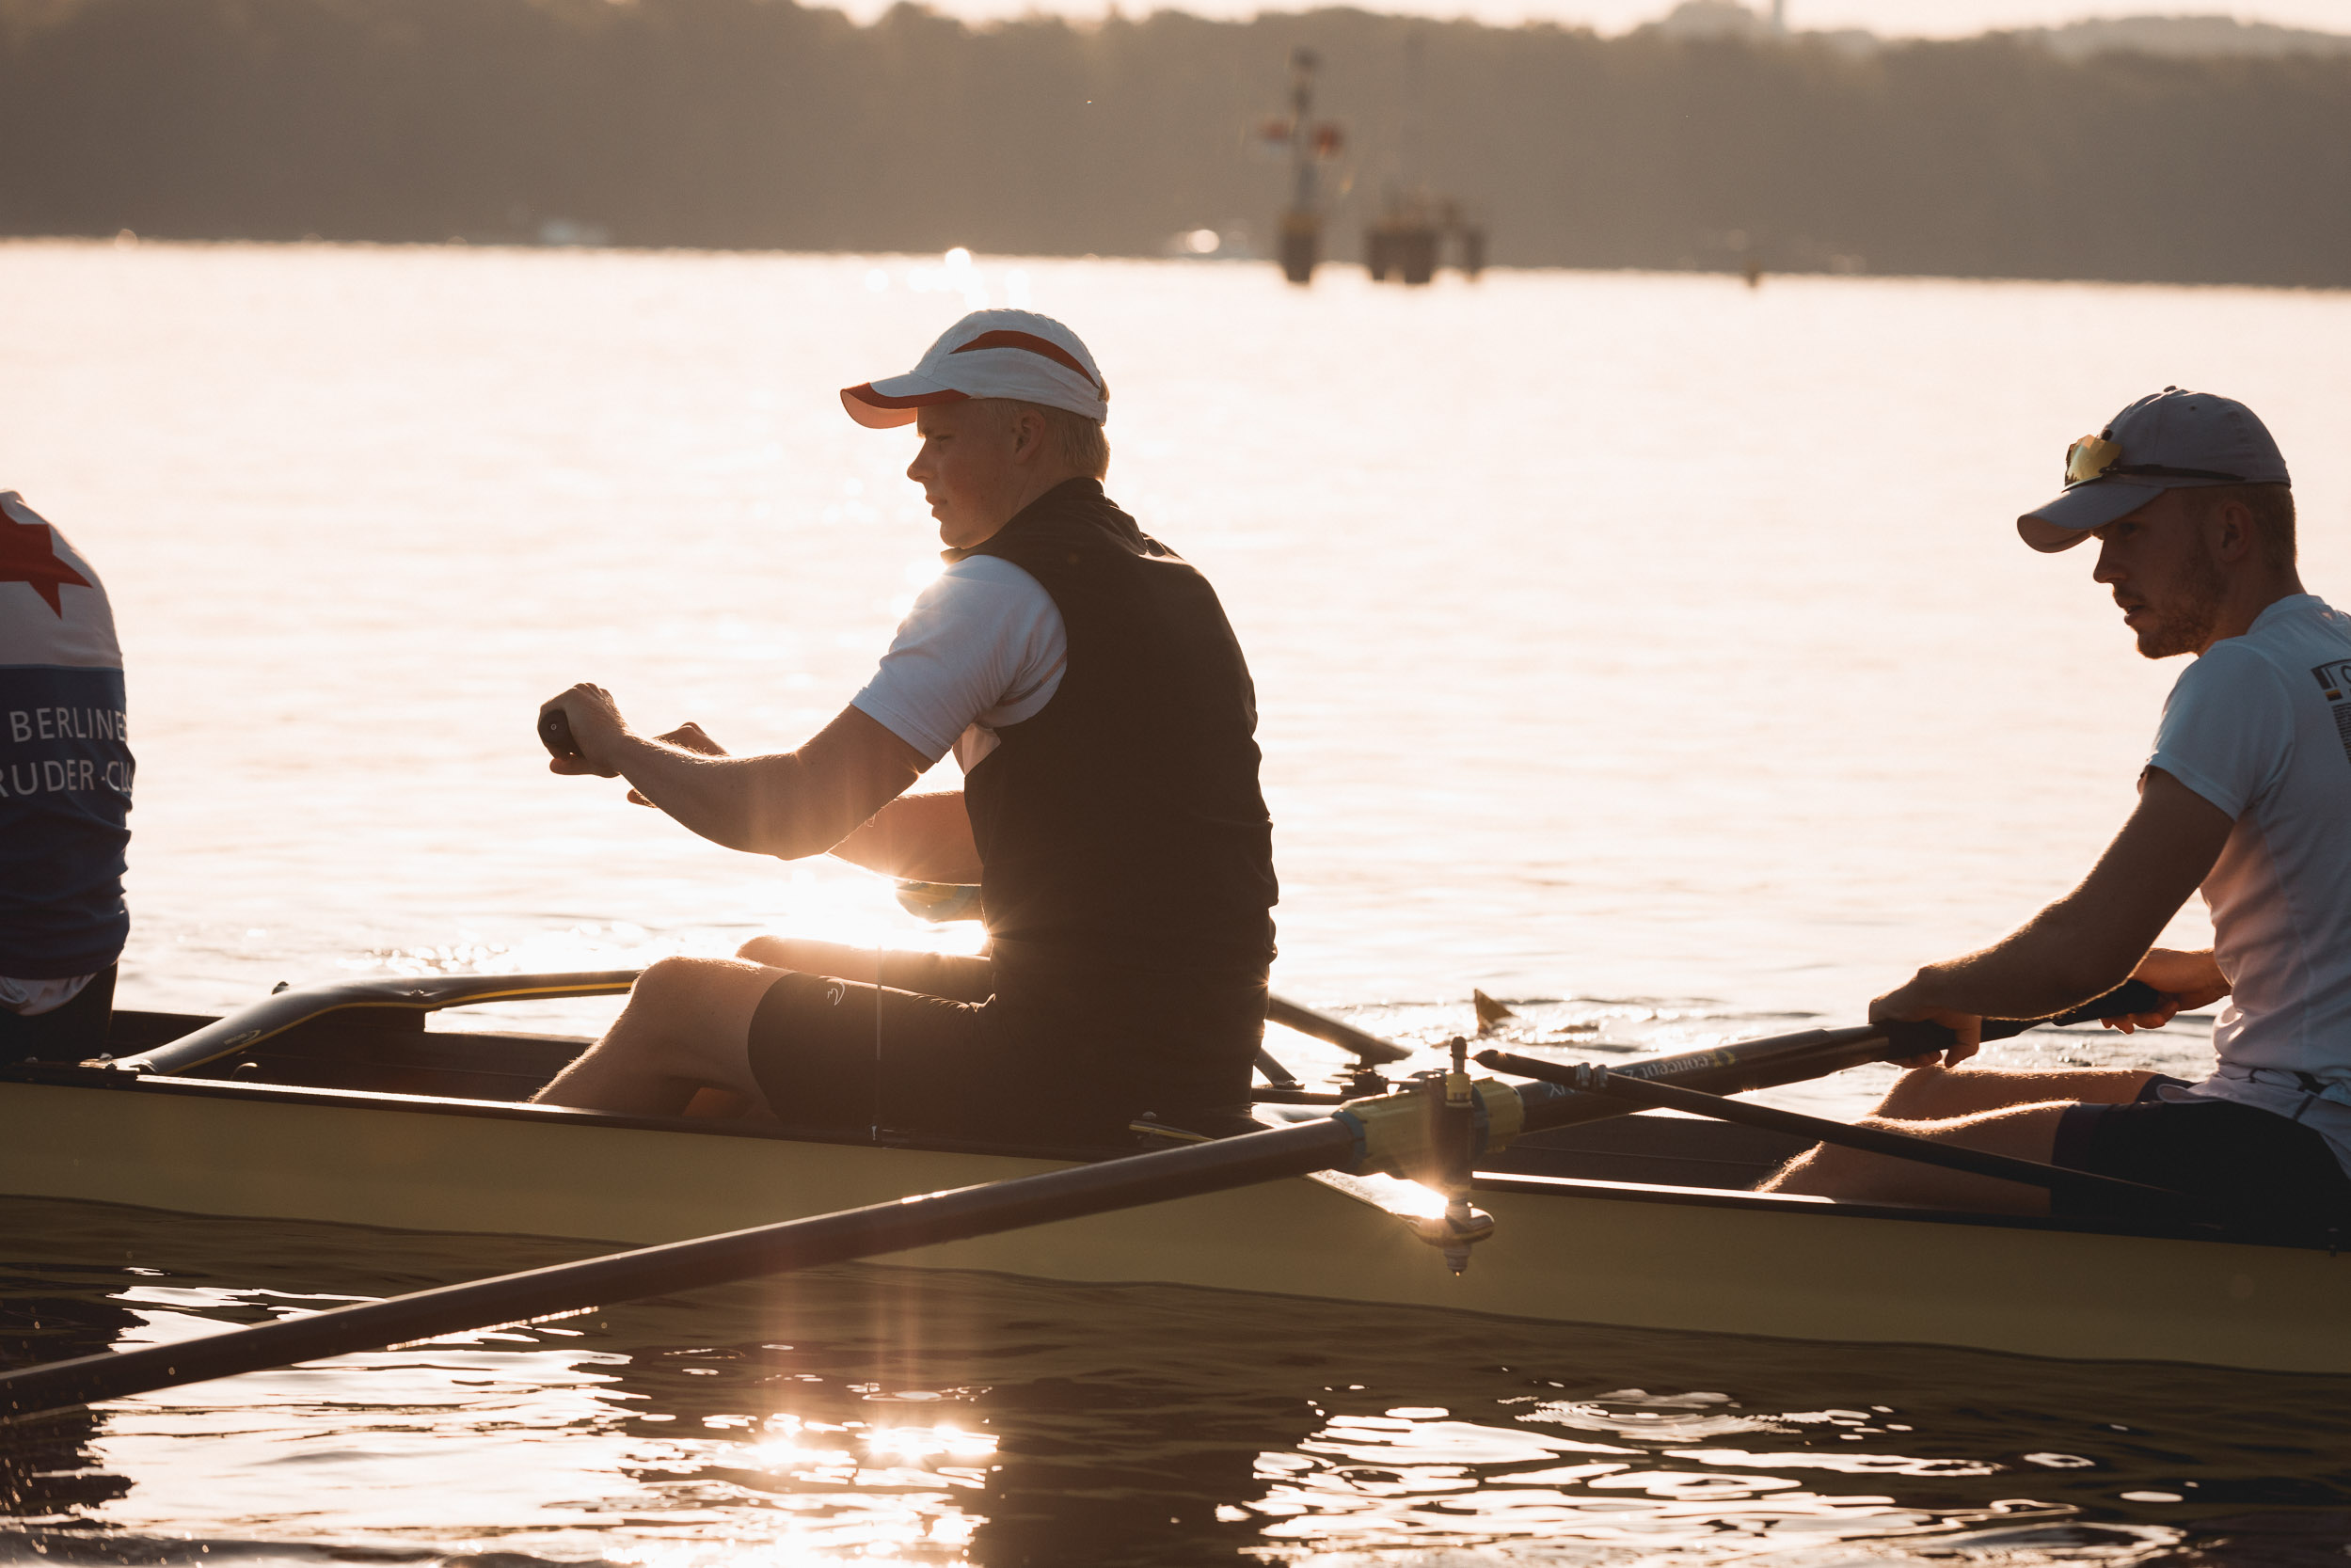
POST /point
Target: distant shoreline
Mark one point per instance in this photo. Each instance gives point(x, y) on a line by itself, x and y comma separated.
point(763, 125)
point(915, 260)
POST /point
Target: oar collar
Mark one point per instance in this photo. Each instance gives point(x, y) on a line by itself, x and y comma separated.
point(1397, 1134)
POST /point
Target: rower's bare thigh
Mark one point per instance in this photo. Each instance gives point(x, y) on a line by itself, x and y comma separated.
point(957, 978)
point(1848, 1175)
point(834, 961)
point(1935, 1094)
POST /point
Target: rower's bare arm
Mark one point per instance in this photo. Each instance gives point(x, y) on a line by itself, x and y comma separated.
point(926, 838)
point(2192, 974)
point(2186, 980)
point(2092, 939)
point(688, 737)
point(792, 805)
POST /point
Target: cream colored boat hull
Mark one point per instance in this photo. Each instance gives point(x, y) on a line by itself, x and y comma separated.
point(1566, 1250)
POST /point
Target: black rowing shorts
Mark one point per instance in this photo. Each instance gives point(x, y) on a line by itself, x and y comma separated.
point(934, 1052)
point(2266, 1173)
point(66, 1034)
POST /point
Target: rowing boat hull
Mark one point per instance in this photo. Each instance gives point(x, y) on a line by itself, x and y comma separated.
point(1567, 1250)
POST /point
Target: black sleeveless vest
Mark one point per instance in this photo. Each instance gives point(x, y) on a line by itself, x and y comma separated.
point(1122, 827)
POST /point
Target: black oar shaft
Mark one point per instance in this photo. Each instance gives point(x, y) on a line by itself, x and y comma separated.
point(1718, 1069)
point(1332, 1031)
point(1777, 1059)
point(950, 1217)
point(1870, 1140)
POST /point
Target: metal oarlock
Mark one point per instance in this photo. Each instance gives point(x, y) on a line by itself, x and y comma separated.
point(1431, 1133)
point(1464, 1227)
point(1453, 1145)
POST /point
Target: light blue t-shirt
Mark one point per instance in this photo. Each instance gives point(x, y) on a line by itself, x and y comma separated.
point(2259, 725)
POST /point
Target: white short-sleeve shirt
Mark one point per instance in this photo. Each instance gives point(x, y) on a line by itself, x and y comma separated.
point(2259, 725)
point(983, 647)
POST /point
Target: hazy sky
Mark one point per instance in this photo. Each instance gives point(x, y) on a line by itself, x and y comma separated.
point(1907, 17)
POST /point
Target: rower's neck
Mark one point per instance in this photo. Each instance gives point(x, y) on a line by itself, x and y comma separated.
point(2246, 599)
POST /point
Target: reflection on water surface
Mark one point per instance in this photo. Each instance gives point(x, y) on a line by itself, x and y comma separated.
point(869, 1414)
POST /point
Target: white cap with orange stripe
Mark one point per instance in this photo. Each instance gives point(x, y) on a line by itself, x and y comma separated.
point(989, 354)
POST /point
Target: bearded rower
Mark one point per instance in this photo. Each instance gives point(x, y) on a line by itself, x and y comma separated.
point(2244, 795)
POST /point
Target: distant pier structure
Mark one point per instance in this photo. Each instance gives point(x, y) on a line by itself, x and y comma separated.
point(1310, 145)
point(1406, 241)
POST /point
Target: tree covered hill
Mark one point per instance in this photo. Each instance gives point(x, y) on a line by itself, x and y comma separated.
point(763, 123)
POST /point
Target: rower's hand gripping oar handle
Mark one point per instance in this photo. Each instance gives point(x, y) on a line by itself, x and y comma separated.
point(1926, 1037)
point(555, 735)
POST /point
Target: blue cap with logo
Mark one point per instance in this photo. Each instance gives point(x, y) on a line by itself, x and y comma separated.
point(2170, 440)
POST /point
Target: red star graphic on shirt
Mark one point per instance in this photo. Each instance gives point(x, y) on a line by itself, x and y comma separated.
point(28, 554)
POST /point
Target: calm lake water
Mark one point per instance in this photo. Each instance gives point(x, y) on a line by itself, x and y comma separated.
point(1651, 652)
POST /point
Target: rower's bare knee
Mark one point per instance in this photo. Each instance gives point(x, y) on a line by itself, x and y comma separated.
point(696, 1009)
point(669, 983)
point(687, 1025)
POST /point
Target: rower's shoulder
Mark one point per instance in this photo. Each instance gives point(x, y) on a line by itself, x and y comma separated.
point(988, 571)
point(2292, 640)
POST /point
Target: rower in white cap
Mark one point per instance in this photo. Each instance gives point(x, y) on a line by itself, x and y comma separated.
point(1088, 683)
point(2190, 503)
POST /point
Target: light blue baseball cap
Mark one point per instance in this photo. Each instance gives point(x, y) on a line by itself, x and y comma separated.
point(2168, 440)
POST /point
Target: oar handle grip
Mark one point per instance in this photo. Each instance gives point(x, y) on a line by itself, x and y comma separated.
point(555, 735)
point(1923, 1037)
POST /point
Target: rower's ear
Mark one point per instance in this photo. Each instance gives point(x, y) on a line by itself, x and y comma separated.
point(2230, 529)
point(1029, 433)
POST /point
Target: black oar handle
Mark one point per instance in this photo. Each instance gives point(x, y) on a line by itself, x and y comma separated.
point(555, 735)
point(1923, 1037)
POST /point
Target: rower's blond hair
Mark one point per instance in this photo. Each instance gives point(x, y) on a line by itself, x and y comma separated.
point(1082, 442)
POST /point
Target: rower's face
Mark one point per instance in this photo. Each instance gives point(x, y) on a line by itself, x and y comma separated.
point(967, 470)
point(2160, 564)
